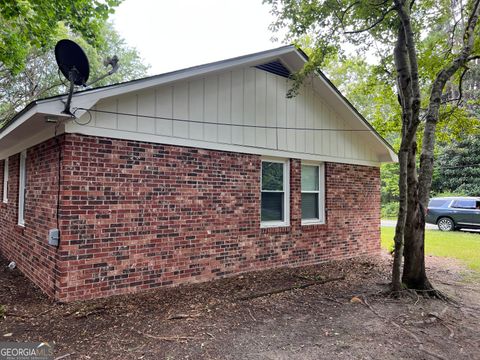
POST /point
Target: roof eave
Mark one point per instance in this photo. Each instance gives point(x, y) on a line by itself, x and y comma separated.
point(88, 98)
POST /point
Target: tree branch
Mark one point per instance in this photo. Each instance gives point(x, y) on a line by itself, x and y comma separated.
point(373, 25)
point(475, 57)
point(428, 144)
point(404, 15)
point(460, 88)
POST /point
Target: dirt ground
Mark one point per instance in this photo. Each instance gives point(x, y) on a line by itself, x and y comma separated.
point(211, 321)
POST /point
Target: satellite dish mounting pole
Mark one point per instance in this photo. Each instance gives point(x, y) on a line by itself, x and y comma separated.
point(73, 63)
point(71, 77)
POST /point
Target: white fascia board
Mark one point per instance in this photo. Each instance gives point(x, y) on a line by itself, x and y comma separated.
point(87, 99)
point(27, 143)
point(73, 128)
point(52, 107)
point(56, 105)
point(23, 118)
point(202, 70)
point(389, 155)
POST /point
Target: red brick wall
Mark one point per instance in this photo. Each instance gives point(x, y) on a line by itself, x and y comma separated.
point(137, 216)
point(28, 246)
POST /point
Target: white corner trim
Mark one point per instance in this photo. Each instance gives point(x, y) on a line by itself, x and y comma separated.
point(5, 181)
point(22, 178)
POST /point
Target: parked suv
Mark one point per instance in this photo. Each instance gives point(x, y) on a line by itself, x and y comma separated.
point(452, 213)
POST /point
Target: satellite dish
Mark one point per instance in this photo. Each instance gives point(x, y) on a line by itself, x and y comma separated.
point(72, 62)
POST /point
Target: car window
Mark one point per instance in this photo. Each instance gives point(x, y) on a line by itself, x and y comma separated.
point(437, 203)
point(478, 205)
point(464, 204)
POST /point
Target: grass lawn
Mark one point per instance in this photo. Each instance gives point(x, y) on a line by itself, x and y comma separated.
point(455, 244)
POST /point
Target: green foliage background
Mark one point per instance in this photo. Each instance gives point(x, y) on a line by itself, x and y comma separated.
point(32, 24)
point(40, 77)
point(458, 168)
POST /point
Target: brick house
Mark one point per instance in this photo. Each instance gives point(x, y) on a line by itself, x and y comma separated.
point(188, 176)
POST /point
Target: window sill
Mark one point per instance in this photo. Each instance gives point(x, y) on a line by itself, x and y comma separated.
point(313, 222)
point(273, 224)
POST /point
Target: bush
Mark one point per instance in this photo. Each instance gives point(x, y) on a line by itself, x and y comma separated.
point(390, 210)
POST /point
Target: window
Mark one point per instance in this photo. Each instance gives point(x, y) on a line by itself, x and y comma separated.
point(21, 189)
point(5, 181)
point(275, 204)
point(464, 204)
point(312, 194)
point(436, 203)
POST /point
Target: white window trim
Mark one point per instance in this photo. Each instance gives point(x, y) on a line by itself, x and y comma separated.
point(321, 194)
point(286, 191)
point(21, 188)
point(5, 181)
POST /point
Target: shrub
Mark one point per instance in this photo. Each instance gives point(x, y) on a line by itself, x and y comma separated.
point(390, 210)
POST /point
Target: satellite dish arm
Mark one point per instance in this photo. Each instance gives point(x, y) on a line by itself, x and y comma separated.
point(113, 62)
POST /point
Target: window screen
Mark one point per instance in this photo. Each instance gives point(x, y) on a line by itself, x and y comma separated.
point(273, 191)
point(312, 193)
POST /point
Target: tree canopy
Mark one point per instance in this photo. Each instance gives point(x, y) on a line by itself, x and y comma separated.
point(427, 46)
point(33, 24)
point(458, 168)
point(40, 77)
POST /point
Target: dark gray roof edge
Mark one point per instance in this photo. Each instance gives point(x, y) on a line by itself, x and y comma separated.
point(174, 72)
point(352, 107)
point(198, 67)
point(13, 119)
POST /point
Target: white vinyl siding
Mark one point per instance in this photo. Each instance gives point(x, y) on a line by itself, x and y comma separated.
point(5, 181)
point(313, 190)
point(244, 110)
point(275, 204)
point(21, 188)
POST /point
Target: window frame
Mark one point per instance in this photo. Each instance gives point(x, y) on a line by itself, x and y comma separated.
point(22, 181)
point(286, 193)
point(5, 181)
point(321, 193)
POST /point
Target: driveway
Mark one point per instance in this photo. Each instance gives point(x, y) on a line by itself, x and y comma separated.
point(393, 223)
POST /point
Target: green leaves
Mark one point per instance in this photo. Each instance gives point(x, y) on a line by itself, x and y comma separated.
point(458, 168)
point(30, 24)
point(39, 77)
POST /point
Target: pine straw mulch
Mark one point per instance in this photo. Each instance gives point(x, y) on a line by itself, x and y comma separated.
point(336, 310)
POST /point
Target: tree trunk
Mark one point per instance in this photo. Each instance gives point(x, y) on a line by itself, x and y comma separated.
point(399, 229)
point(407, 81)
point(414, 275)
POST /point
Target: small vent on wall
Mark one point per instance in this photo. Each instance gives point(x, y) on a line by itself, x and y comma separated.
point(275, 67)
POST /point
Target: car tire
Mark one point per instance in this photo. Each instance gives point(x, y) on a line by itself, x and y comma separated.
point(445, 224)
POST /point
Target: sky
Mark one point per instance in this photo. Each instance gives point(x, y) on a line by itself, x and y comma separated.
point(174, 34)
